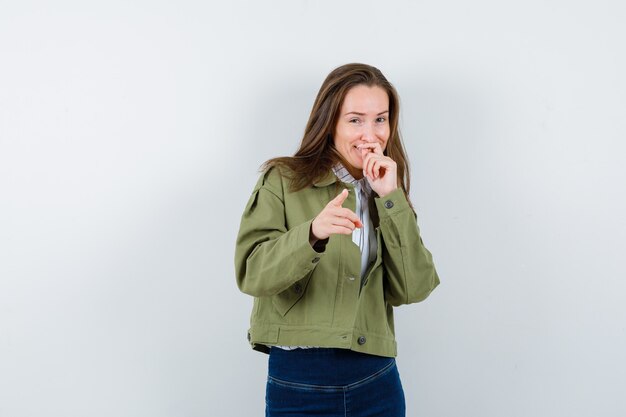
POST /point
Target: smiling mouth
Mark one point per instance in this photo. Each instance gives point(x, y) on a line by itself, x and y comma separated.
point(359, 151)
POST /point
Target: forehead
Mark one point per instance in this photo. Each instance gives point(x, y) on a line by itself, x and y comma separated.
point(364, 99)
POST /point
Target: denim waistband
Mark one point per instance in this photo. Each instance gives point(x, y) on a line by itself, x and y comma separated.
point(324, 366)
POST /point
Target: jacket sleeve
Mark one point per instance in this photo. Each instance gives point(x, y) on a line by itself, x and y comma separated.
point(408, 265)
point(269, 258)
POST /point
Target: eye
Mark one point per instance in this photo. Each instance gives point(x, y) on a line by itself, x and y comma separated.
point(381, 120)
point(354, 120)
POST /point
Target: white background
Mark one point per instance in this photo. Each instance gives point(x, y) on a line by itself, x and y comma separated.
point(130, 137)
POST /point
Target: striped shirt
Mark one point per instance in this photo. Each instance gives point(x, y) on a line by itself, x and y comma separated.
point(364, 238)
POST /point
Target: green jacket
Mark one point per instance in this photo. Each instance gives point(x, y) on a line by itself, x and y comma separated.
point(306, 298)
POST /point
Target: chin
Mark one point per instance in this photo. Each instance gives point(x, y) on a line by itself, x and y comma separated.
point(356, 164)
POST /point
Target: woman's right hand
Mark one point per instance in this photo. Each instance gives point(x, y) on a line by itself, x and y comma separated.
point(334, 219)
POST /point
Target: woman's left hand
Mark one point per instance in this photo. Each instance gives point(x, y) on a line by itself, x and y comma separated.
point(380, 170)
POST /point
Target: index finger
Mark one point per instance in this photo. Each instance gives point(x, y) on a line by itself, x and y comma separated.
point(338, 201)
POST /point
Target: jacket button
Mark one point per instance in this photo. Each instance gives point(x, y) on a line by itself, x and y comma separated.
point(388, 204)
point(351, 278)
point(315, 260)
point(297, 287)
point(361, 340)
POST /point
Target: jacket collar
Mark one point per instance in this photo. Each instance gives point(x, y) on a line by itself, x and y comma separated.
point(329, 178)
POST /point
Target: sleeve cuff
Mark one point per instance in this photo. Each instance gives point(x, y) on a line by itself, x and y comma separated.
point(310, 254)
point(392, 203)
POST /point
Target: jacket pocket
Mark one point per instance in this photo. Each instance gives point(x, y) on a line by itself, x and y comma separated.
point(285, 300)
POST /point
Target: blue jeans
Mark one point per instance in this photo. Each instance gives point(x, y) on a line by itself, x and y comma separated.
point(332, 382)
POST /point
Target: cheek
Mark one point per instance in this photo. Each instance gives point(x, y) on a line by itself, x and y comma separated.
point(384, 140)
point(385, 144)
point(345, 140)
point(384, 131)
point(342, 137)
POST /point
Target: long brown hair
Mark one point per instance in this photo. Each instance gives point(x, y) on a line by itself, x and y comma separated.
point(317, 153)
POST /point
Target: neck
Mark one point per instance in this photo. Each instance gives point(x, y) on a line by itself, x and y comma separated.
point(355, 172)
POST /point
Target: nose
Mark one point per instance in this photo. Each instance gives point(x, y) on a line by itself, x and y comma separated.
point(368, 134)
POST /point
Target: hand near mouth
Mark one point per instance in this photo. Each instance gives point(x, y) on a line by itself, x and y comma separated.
point(380, 170)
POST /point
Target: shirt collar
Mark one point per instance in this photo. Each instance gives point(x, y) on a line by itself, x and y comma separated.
point(344, 175)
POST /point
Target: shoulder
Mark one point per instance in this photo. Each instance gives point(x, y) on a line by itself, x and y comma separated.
point(281, 180)
point(275, 180)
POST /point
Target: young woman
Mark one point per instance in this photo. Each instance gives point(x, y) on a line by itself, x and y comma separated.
point(328, 245)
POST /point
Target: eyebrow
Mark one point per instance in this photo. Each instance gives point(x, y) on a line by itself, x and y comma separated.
point(363, 114)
